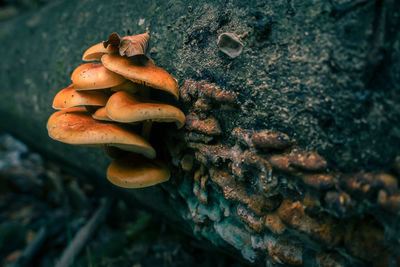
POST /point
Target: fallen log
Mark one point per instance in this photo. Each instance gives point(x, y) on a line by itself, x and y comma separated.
point(291, 154)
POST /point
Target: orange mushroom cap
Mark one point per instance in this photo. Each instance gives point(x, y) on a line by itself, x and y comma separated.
point(94, 75)
point(141, 71)
point(69, 97)
point(135, 171)
point(101, 115)
point(96, 51)
point(76, 126)
point(123, 107)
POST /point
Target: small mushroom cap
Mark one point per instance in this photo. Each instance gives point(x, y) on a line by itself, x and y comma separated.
point(76, 126)
point(94, 75)
point(123, 107)
point(135, 171)
point(95, 52)
point(101, 115)
point(144, 72)
point(69, 97)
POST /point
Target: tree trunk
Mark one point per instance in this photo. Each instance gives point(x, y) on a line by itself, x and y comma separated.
point(291, 150)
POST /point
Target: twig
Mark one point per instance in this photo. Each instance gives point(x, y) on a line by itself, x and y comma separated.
point(83, 235)
point(30, 250)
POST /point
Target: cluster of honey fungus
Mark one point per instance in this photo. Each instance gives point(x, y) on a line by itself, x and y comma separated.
point(106, 98)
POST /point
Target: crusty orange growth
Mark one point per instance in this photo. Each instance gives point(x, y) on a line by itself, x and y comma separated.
point(144, 72)
point(69, 97)
point(95, 52)
point(76, 126)
point(91, 76)
point(135, 171)
point(124, 107)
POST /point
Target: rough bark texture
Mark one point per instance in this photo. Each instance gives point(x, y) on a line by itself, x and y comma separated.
point(289, 153)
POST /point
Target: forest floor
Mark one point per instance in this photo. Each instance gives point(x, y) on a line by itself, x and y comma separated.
point(42, 208)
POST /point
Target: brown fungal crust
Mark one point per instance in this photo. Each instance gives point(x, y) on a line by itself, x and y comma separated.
point(293, 214)
point(76, 126)
point(197, 138)
point(234, 190)
point(285, 251)
point(274, 223)
point(266, 139)
point(298, 160)
point(253, 221)
point(127, 108)
point(144, 72)
point(69, 97)
point(320, 181)
point(203, 90)
point(134, 171)
point(209, 126)
point(265, 176)
point(91, 76)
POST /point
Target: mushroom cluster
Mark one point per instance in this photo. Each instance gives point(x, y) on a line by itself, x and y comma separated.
point(107, 100)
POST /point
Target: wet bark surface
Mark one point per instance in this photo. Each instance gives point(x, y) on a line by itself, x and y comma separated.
point(293, 160)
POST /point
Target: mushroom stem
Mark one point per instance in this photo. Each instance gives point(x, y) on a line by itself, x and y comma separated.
point(145, 92)
point(146, 128)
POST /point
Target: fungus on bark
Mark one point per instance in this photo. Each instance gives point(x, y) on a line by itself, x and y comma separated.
point(111, 85)
point(69, 97)
point(101, 115)
point(123, 107)
point(95, 52)
point(75, 126)
point(134, 171)
point(142, 71)
point(90, 76)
